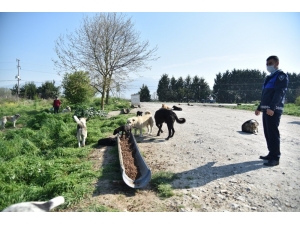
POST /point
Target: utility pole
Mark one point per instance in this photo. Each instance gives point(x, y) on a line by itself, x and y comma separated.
point(18, 77)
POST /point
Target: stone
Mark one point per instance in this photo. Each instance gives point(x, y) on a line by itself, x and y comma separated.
point(194, 196)
point(241, 198)
point(234, 206)
point(253, 208)
point(221, 196)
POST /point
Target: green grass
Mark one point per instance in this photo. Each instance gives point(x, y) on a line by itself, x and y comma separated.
point(40, 159)
point(161, 183)
point(289, 109)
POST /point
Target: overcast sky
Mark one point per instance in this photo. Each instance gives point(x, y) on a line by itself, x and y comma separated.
point(190, 42)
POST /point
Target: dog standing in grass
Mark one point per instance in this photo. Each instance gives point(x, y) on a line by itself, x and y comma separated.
point(81, 130)
point(13, 119)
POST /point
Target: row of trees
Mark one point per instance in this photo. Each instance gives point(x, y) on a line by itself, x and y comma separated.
point(30, 91)
point(190, 88)
point(242, 86)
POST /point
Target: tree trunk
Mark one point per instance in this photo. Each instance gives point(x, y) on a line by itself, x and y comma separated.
point(107, 96)
point(102, 100)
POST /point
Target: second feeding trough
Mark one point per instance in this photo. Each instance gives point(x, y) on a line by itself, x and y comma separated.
point(135, 171)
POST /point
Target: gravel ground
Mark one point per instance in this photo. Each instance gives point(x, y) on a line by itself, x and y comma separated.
point(217, 165)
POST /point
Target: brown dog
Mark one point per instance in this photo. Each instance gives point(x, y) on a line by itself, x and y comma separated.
point(165, 106)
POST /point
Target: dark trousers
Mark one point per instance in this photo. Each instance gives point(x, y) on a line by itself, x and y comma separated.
point(56, 109)
point(272, 135)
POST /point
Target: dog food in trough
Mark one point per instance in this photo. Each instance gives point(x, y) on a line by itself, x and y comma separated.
point(135, 172)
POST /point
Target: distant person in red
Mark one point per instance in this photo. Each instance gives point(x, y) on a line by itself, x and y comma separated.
point(56, 104)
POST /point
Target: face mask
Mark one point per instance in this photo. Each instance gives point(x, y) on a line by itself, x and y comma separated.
point(271, 69)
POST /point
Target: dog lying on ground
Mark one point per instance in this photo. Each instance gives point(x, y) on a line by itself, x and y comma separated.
point(107, 141)
point(35, 206)
point(139, 113)
point(163, 106)
point(167, 116)
point(138, 122)
point(125, 111)
point(9, 118)
point(81, 130)
point(67, 109)
point(250, 126)
point(125, 129)
point(176, 108)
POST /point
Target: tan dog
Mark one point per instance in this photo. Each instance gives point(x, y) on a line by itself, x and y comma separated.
point(9, 118)
point(138, 122)
point(81, 130)
point(67, 109)
point(165, 106)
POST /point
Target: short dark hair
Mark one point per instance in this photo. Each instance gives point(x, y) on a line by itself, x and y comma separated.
point(274, 57)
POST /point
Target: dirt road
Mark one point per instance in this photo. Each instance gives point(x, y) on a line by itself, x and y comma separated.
point(217, 165)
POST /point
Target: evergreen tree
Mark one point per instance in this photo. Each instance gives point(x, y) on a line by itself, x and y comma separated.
point(144, 94)
point(163, 91)
point(48, 90)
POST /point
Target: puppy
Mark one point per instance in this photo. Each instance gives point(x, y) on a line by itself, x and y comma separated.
point(177, 108)
point(138, 122)
point(67, 109)
point(35, 206)
point(125, 129)
point(9, 118)
point(81, 130)
point(139, 113)
point(250, 126)
point(165, 106)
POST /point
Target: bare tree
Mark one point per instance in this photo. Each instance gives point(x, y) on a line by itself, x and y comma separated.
point(107, 46)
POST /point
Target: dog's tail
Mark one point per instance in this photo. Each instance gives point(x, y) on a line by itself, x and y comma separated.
point(81, 124)
point(179, 120)
point(147, 113)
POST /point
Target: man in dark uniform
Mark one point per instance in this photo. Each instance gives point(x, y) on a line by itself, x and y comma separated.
point(271, 105)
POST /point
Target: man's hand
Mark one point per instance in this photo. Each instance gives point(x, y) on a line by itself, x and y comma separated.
point(257, 112)
point(270, 112)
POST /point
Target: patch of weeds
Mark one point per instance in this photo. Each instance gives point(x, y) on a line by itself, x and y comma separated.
point(165, 190)
point(101, 208)
point(161, 182)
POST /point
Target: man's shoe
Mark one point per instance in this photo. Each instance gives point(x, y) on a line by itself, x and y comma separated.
point(272, 162)
point(267, 157)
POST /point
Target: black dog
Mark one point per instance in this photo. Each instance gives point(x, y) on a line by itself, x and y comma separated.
point(177, 108)
point(139, 113)
point(125, 129)
point(107, 141)
point(167, 116)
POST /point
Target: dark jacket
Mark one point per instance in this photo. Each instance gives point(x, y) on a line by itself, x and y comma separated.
point(274, 91)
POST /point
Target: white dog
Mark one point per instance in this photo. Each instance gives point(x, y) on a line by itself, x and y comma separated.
point(35, 206)
point(81, 130)
point(138, 122)
point(9, 118)
point(67, 109)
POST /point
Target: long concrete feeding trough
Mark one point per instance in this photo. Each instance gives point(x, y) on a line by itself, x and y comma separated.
point(145, 172)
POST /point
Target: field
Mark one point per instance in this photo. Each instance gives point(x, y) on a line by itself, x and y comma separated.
point(39, 159)
point(208, 166)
